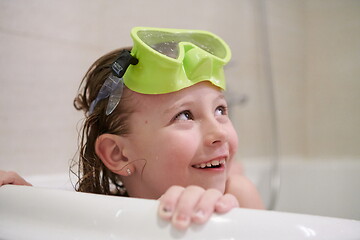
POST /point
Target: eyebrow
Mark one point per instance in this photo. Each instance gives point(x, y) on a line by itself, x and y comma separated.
point(178, 105)
point(221, 96)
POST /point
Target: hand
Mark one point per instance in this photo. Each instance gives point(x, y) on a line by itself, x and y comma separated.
point(193, 204)
point(12, 178)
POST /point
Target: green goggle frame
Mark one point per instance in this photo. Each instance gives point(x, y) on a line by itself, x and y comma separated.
point(173, 59)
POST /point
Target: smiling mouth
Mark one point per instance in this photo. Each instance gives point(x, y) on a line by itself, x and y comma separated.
point(211, 164)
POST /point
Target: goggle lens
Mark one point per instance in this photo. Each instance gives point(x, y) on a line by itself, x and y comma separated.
point(167, 43)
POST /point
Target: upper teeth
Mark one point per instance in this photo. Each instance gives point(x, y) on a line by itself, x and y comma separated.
point(210, 164)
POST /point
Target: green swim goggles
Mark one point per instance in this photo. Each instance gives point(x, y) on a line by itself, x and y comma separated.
point(173, 59)
point(165, 60)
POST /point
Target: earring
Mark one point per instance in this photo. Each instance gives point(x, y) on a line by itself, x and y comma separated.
point(128, 171)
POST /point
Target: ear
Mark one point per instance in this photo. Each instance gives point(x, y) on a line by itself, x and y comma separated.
point(110, 149)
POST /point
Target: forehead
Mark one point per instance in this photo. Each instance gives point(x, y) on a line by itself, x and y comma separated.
point(202, 89)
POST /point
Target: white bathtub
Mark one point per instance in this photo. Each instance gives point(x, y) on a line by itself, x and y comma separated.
point(41, 213)
point(321, 187)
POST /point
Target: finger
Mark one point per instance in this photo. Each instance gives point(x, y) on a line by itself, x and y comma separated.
point(12, 178)
point(168, 202)
point(226, 203)
point(185, 206)
point(17, 179)
point(2, 175)
point(206, 206)
point(8, 177)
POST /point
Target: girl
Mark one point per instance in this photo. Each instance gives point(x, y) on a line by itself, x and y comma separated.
point(157, 127)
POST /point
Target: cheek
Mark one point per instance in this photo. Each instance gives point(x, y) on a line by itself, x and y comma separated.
point(178, 148)
point(233, 139)
point(170, 160)
point(176, 152)
point(164, 148)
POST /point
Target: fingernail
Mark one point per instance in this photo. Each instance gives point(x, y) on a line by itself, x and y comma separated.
point(166, 211)
point(199, 215)
point(181, 221)
point(220, 205)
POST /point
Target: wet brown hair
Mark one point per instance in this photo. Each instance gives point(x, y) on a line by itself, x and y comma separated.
point(92, 175)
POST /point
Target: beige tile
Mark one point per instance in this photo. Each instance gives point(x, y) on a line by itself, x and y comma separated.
point(62, 21)
point(39, 81)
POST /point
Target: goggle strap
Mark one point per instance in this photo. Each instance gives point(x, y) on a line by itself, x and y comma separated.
point(122, 63)
point(114, 84)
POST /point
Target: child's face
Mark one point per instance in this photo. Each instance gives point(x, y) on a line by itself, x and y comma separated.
point(176, 134)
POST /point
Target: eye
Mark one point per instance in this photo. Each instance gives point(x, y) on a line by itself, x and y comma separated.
point(184, 115)
point(221, 110)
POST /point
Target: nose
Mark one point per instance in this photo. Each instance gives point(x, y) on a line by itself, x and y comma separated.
point(214, 133)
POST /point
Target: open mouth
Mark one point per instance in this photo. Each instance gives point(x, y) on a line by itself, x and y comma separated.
point(211, 164)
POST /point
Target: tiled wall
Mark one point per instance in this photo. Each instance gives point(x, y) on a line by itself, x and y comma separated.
point(313, 50)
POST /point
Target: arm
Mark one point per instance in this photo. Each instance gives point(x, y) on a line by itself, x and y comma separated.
point(12, 178)
point(243, 189)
